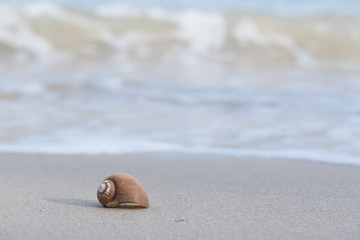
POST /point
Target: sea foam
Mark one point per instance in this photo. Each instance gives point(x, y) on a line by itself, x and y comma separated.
point(119, 79)
point(31, 34)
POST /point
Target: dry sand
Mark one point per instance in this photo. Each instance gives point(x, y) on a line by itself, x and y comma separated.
point(191, 197)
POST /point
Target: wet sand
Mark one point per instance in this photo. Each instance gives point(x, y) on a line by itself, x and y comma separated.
point(191, 197)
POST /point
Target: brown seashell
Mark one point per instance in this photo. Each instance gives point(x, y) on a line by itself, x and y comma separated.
point(122, 188)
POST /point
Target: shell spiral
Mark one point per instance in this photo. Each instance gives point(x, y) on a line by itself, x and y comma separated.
point(122, 188)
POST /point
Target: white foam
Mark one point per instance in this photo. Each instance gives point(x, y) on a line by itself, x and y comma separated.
point(83, 145)
point(15, 32)
point(117, 11)
point(78, 141)
point(207, 34)
point(217, 105)
point(203, 31)
point(313, 155)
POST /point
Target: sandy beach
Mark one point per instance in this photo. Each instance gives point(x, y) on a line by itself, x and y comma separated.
point(241, 119)
point(191, 197)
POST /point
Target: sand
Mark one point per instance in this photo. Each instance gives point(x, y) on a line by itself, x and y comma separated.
point(191, 197)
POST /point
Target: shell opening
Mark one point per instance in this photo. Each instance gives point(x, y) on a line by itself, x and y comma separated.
point(103, 187)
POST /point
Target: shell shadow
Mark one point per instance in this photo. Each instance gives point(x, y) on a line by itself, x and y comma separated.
point(89, 203)
point(74, 202)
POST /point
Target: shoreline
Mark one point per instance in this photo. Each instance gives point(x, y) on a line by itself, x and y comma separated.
point(218, 154)
point(191, 196)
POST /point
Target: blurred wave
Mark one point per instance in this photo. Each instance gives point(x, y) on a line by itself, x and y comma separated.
point(44, 32)
point(119, 78)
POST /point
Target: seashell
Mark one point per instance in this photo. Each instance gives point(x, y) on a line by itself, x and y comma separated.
point(122, 188)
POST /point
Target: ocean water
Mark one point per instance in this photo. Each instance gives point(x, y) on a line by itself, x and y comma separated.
point(257, 79)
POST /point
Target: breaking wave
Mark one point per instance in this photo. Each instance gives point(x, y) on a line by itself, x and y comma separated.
point(48, 33)
point(115, 79)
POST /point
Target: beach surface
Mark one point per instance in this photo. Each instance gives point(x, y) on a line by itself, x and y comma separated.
point(191, 197)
